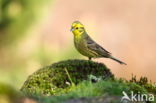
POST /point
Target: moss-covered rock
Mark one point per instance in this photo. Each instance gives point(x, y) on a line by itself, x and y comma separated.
point(58, 77)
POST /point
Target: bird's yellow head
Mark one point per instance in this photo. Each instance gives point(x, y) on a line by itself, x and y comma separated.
point(77, 28)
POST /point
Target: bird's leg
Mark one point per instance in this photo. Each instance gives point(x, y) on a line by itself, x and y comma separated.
point(89, 58)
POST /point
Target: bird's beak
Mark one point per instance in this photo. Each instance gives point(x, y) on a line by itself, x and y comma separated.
point(71, 29)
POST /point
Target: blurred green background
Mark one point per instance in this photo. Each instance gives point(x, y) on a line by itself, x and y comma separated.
point(22, 50)
point(16, 19)
point(35, 33)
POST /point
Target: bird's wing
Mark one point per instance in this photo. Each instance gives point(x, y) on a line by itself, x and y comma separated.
point(96, 47)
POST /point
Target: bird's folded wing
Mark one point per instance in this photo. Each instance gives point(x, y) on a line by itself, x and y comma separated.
point(97, 48)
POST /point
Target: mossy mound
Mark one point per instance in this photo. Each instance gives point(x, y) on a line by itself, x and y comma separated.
point(58, 77)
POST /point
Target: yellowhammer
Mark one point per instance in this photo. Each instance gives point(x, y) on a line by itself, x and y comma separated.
point(86, 46)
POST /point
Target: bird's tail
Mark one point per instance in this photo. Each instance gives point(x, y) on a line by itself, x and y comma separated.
point(118, 60)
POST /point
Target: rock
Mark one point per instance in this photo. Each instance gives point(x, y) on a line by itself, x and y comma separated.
point(58, 77)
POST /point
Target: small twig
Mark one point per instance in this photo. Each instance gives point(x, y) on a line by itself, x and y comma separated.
point(69, 77)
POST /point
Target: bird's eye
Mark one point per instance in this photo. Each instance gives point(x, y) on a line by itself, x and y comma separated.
point(77, 28)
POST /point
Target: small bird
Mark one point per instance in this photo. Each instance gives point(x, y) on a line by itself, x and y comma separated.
point(86, 46)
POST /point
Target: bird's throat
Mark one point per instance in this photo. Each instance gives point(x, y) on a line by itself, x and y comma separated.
point(78, 35)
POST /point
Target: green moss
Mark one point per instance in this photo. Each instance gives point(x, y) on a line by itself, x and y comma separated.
point(72, 80)
point(53, 79)
point(144, 82)
point(104, 91)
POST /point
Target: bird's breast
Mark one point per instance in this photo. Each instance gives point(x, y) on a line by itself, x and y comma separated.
point(81, 46)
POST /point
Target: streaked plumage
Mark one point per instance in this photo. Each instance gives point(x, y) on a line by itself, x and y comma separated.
point(86, 46)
